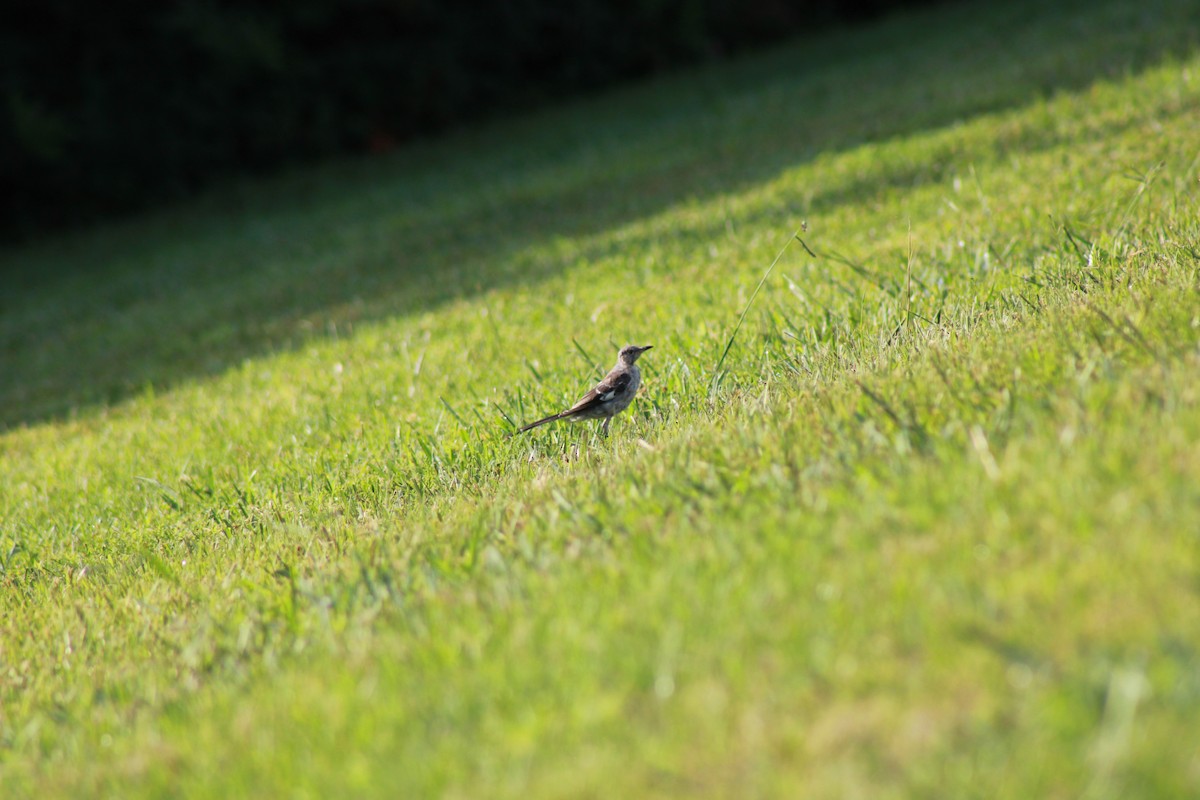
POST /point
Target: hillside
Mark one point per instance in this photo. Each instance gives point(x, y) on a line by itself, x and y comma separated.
point(928, 529)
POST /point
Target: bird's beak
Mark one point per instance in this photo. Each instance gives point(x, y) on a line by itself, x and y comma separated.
point(647, 347)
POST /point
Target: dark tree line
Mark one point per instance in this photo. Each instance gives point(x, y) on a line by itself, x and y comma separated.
point(108, 107)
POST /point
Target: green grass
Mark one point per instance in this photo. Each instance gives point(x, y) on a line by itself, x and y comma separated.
point(931, 531)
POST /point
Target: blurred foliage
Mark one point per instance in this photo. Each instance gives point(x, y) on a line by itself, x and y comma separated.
point(110, 107)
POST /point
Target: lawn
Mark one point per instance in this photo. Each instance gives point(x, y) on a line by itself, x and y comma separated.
point(928, 528)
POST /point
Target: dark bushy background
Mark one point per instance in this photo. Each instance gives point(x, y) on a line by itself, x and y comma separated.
point(108, 107)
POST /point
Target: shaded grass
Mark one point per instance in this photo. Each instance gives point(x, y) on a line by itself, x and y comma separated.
point(93, 319)
point(934, 534)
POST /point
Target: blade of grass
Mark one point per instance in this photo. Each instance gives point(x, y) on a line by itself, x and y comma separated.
point(716, 379)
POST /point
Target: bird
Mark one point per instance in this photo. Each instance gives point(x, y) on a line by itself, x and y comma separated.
point(609, 397)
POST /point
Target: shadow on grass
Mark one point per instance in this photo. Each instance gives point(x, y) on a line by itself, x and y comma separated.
point(94, 317)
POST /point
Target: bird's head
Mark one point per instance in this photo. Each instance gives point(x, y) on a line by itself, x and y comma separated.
point(630, 353)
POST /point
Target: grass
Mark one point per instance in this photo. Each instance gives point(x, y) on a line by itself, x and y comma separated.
point(926, 528)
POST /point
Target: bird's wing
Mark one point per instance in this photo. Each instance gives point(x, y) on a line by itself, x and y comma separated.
point(602, 392)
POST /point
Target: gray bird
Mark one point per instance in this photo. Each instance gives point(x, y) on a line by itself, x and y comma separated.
point(609, 397)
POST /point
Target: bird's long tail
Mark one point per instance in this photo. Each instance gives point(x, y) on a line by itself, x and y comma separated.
point(543, 421)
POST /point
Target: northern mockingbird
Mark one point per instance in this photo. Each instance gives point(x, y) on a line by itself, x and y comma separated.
point(609, 397)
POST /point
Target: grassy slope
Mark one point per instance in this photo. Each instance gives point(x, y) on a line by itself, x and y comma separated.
point(933, 533)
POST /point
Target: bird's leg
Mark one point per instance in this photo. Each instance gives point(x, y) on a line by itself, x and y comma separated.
point(604, 426)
